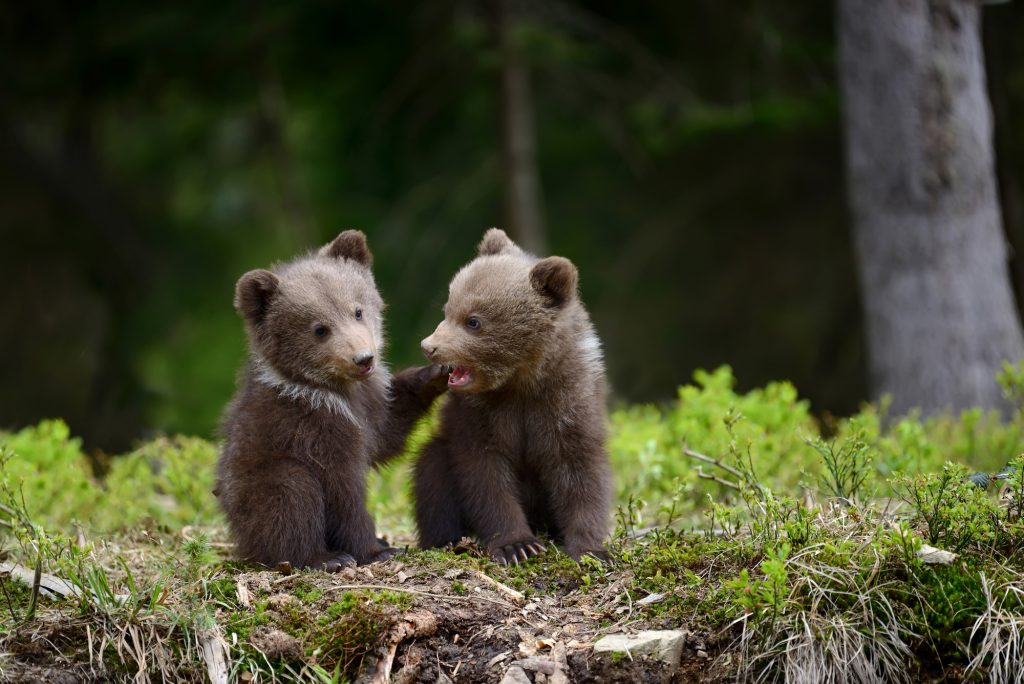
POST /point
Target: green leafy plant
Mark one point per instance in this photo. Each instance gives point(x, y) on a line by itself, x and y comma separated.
point(955, 512)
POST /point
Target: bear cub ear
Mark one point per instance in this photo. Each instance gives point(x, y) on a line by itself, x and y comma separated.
point(351, 244)
point(496, 242)
point(254, 292)
point(555, 278)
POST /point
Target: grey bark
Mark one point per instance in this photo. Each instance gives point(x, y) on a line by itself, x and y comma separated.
point(939, 311)
point(523, 214)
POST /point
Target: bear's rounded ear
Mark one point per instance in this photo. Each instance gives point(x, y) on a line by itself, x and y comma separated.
point(496, 242)
point(351, 244)
point(254, 292)
point(555, 278)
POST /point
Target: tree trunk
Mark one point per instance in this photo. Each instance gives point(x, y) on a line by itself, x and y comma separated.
point(523, 214)
point(932, 260)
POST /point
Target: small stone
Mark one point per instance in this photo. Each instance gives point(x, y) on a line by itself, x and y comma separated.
point(537, 664)
point(701, 653)
point(933, 556)
point(402, 577)
point(650, 598)
point(515, 675)
point(664, 645)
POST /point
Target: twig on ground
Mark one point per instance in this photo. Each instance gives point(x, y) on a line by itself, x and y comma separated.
point(382, 670)
point(10, 604)
point(513, 595)
point(49, 585)
point(215, 656)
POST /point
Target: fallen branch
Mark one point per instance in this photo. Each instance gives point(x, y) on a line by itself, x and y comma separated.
point(513, 595)
point(215, 656)
point(50, 586)
point(412, 625)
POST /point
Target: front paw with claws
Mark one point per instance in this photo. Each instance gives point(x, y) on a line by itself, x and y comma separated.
point(506, 552)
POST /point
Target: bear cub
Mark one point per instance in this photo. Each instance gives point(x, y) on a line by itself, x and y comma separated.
point(314, 410)
point(521, 445)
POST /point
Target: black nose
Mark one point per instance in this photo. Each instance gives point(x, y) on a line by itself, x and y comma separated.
point(363, 359)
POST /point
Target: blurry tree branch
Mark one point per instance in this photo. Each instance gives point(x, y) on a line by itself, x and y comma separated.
point(523, 212)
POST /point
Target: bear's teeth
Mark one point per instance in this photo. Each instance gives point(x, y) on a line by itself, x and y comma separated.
point(460, 376)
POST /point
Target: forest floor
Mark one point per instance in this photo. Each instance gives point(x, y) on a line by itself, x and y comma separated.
point(420, 617)
point(761, 543)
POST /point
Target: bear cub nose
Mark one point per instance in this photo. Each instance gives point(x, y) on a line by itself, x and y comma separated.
point(428, 349)
point(363, 359)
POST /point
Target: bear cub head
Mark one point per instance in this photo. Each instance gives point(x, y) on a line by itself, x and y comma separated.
point(505, 309)
point(317, 320)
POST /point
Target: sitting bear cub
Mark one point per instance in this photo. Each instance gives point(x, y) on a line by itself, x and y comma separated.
point(315, 408)
point(520, 448)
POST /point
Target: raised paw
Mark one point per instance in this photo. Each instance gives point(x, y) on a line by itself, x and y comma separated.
point(435, 379)
point(514, 552)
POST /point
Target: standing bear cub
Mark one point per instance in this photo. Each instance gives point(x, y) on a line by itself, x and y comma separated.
point(315, 408)
point(520, 448)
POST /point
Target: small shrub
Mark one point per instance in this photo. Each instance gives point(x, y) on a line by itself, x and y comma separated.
point(955, 512)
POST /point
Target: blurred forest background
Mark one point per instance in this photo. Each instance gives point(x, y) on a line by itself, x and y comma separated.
point(689, 157)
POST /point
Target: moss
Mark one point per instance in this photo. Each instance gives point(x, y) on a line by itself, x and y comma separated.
point(307, 593)
point(351, 627)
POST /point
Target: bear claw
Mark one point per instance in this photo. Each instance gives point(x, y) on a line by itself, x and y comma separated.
point(516, 552)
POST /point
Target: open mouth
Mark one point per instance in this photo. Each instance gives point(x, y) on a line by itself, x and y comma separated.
point(460, 376)
point(363, 372)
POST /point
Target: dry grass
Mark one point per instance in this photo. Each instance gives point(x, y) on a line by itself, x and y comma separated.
point(831, 628)
point(1000, 633)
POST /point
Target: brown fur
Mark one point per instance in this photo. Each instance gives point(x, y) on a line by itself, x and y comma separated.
point(309, 419)
point(521, 448)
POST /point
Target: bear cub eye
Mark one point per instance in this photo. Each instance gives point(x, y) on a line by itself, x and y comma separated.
point(359, 314)
point(321, 331)
point(473, 323)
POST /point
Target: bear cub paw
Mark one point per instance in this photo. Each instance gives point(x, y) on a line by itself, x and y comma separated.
point(507, 552)
point(598, 552)
point(336, 562)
